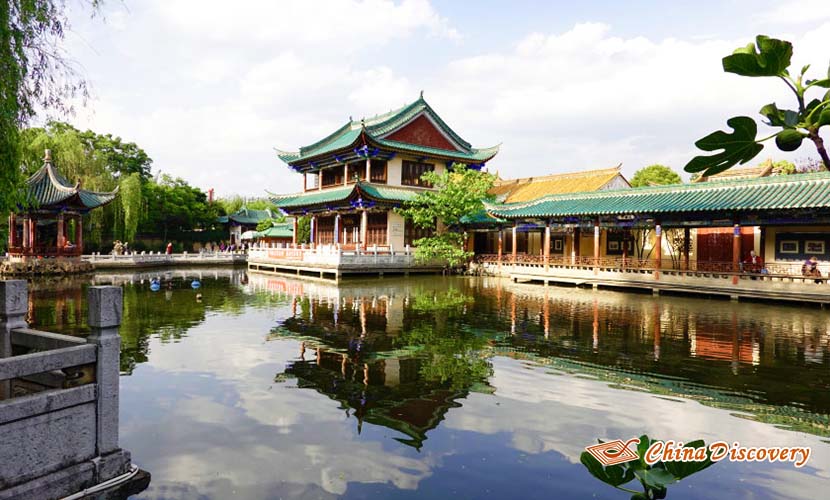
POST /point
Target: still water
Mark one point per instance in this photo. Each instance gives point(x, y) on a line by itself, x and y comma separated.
point(454, 387)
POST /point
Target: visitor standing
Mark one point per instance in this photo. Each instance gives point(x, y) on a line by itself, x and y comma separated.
point(169, 250)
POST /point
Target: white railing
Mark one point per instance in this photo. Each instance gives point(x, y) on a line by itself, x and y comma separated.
point(159, 257)
point(334, 255)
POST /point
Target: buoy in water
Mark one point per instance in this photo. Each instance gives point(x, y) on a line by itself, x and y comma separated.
point(155, 286)
point(195, 284)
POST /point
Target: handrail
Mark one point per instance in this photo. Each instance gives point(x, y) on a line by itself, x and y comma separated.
point(39, 362)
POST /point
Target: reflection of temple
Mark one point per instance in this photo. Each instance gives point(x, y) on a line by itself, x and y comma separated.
point(387, 392)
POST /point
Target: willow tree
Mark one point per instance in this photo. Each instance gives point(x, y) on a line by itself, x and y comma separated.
point(768, 58)
point(459, 192)
point(131, 204)
point(34, 73)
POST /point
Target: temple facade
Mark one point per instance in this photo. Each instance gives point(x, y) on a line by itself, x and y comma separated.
point(51, 224)
point(356, 176)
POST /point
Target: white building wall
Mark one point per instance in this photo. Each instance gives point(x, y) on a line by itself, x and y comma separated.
point(395, 230)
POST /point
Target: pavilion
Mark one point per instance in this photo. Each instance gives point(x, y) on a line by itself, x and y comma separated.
point(40, 229)
point(357, 175)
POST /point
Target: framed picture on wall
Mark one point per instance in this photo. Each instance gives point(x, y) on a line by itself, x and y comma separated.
point(613, 245)
point(558, 244)
point(788, 246)
point(814, 247)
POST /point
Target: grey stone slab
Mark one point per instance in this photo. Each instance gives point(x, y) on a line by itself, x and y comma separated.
point(39, 362)
point(44, 402)
point(40, 340)
point(53, 486)
point(13, 297)
point(33, 447)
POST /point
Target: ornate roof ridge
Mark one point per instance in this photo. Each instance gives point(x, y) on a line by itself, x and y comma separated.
point(558, 176)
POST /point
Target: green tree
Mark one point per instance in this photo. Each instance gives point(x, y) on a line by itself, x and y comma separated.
point(767, 57)
point(34, 73)
point(174, 204)
point(304, 229)
point(459, 192)
point(655, 175)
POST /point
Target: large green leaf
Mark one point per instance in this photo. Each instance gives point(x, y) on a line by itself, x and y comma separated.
point(684, 469)
point(738, 147)
point(779, 117)
point(614, 475)
point(655, 478)
point(767, 57)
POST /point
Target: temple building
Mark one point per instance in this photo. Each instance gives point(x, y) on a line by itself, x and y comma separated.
point(354, 177)
point(42, 228)
point(243, 220)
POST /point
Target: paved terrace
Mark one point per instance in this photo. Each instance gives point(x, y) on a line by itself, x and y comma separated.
point(334, 262)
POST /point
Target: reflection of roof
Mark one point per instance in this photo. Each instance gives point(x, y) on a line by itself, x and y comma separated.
point(362, 189)
point(531, 188)
point(768, 193)
point(246, 215)
point(378, 130)
point(48, 188)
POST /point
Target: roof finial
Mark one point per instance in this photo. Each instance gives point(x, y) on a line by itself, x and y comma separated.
point(47, 156)
point(422, 93)
point(350, 118)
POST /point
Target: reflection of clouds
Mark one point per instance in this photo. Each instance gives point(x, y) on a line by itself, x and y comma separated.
point(233, 432)
point(564, 413)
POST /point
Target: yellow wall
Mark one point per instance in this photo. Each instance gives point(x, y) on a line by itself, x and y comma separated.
point(395, 230)
point(771, 231)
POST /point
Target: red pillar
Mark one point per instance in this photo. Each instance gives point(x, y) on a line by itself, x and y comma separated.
point(596, 246)
point(501, 246)
point(658, 250)
point(305, 182)
point(294, 234)
point(514, 244)
point(60, 238)
point(625, 238)
point(575, 252)
point(25, 242)
point(32, 232)
point(12, 232)
point(546, 251)
point(686, 248)
point(736, 252)
point(79, 236)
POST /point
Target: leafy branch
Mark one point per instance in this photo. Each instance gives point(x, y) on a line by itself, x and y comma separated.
point(767, 57)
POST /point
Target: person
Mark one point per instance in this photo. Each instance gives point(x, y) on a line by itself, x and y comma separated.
point(810, 268)
point(169, 250)
point(126, 248)
point(753, 263)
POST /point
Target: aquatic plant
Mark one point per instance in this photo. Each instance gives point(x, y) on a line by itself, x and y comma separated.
point(654, 479)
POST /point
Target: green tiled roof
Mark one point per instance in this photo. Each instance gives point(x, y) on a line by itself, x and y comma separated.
point(246, 215)
point(375, 129)
point(378, 192)
point(282, 230)
point(770, 193)
point(47, 187)
point(481, 217)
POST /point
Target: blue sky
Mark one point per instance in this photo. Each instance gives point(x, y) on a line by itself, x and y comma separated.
point(209, 91)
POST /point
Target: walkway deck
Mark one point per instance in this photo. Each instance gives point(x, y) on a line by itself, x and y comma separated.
point(713, 281)
point(332, 263)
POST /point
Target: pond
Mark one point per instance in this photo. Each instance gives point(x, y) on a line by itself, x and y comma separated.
point(256, 386)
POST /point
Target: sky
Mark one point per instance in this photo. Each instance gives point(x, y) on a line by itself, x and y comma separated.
point(209, 89)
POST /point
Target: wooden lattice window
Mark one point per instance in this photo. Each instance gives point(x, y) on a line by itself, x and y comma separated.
point(412, 171)
point(376, 229)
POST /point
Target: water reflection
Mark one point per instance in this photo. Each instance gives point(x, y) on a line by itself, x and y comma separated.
point(428, 387)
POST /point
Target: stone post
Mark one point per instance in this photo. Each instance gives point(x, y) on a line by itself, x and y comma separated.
point(105, 306)
point(14, 305)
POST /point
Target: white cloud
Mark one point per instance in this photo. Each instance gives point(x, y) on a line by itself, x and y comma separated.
point(209, 92)
point(796, 12)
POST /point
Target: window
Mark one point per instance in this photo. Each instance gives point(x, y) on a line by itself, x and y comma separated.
point(412, 172)
point(332, 176)
point(378, 172)
point(376, 229)
point(357, 171)
point(413, 233)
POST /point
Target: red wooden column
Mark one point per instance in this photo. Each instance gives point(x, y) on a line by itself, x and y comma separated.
point(596, 245)
point(305, 182)
point(32, 232)
point(686, 247)
point(501, 246)
point(25, 242)
point(337, 229)
point(546, 251)
point(79, 236)
point(575, 246)
point(345, 174)
point(12, 231)
point(294, 234)
point(625, 237)
point(658, 250)
point(514, 243)
point(736, 252)
point(60, 238)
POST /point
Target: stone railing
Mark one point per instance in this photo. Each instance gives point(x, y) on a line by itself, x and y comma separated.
point(59, 403)
point(143, 259)
point(332, 255)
